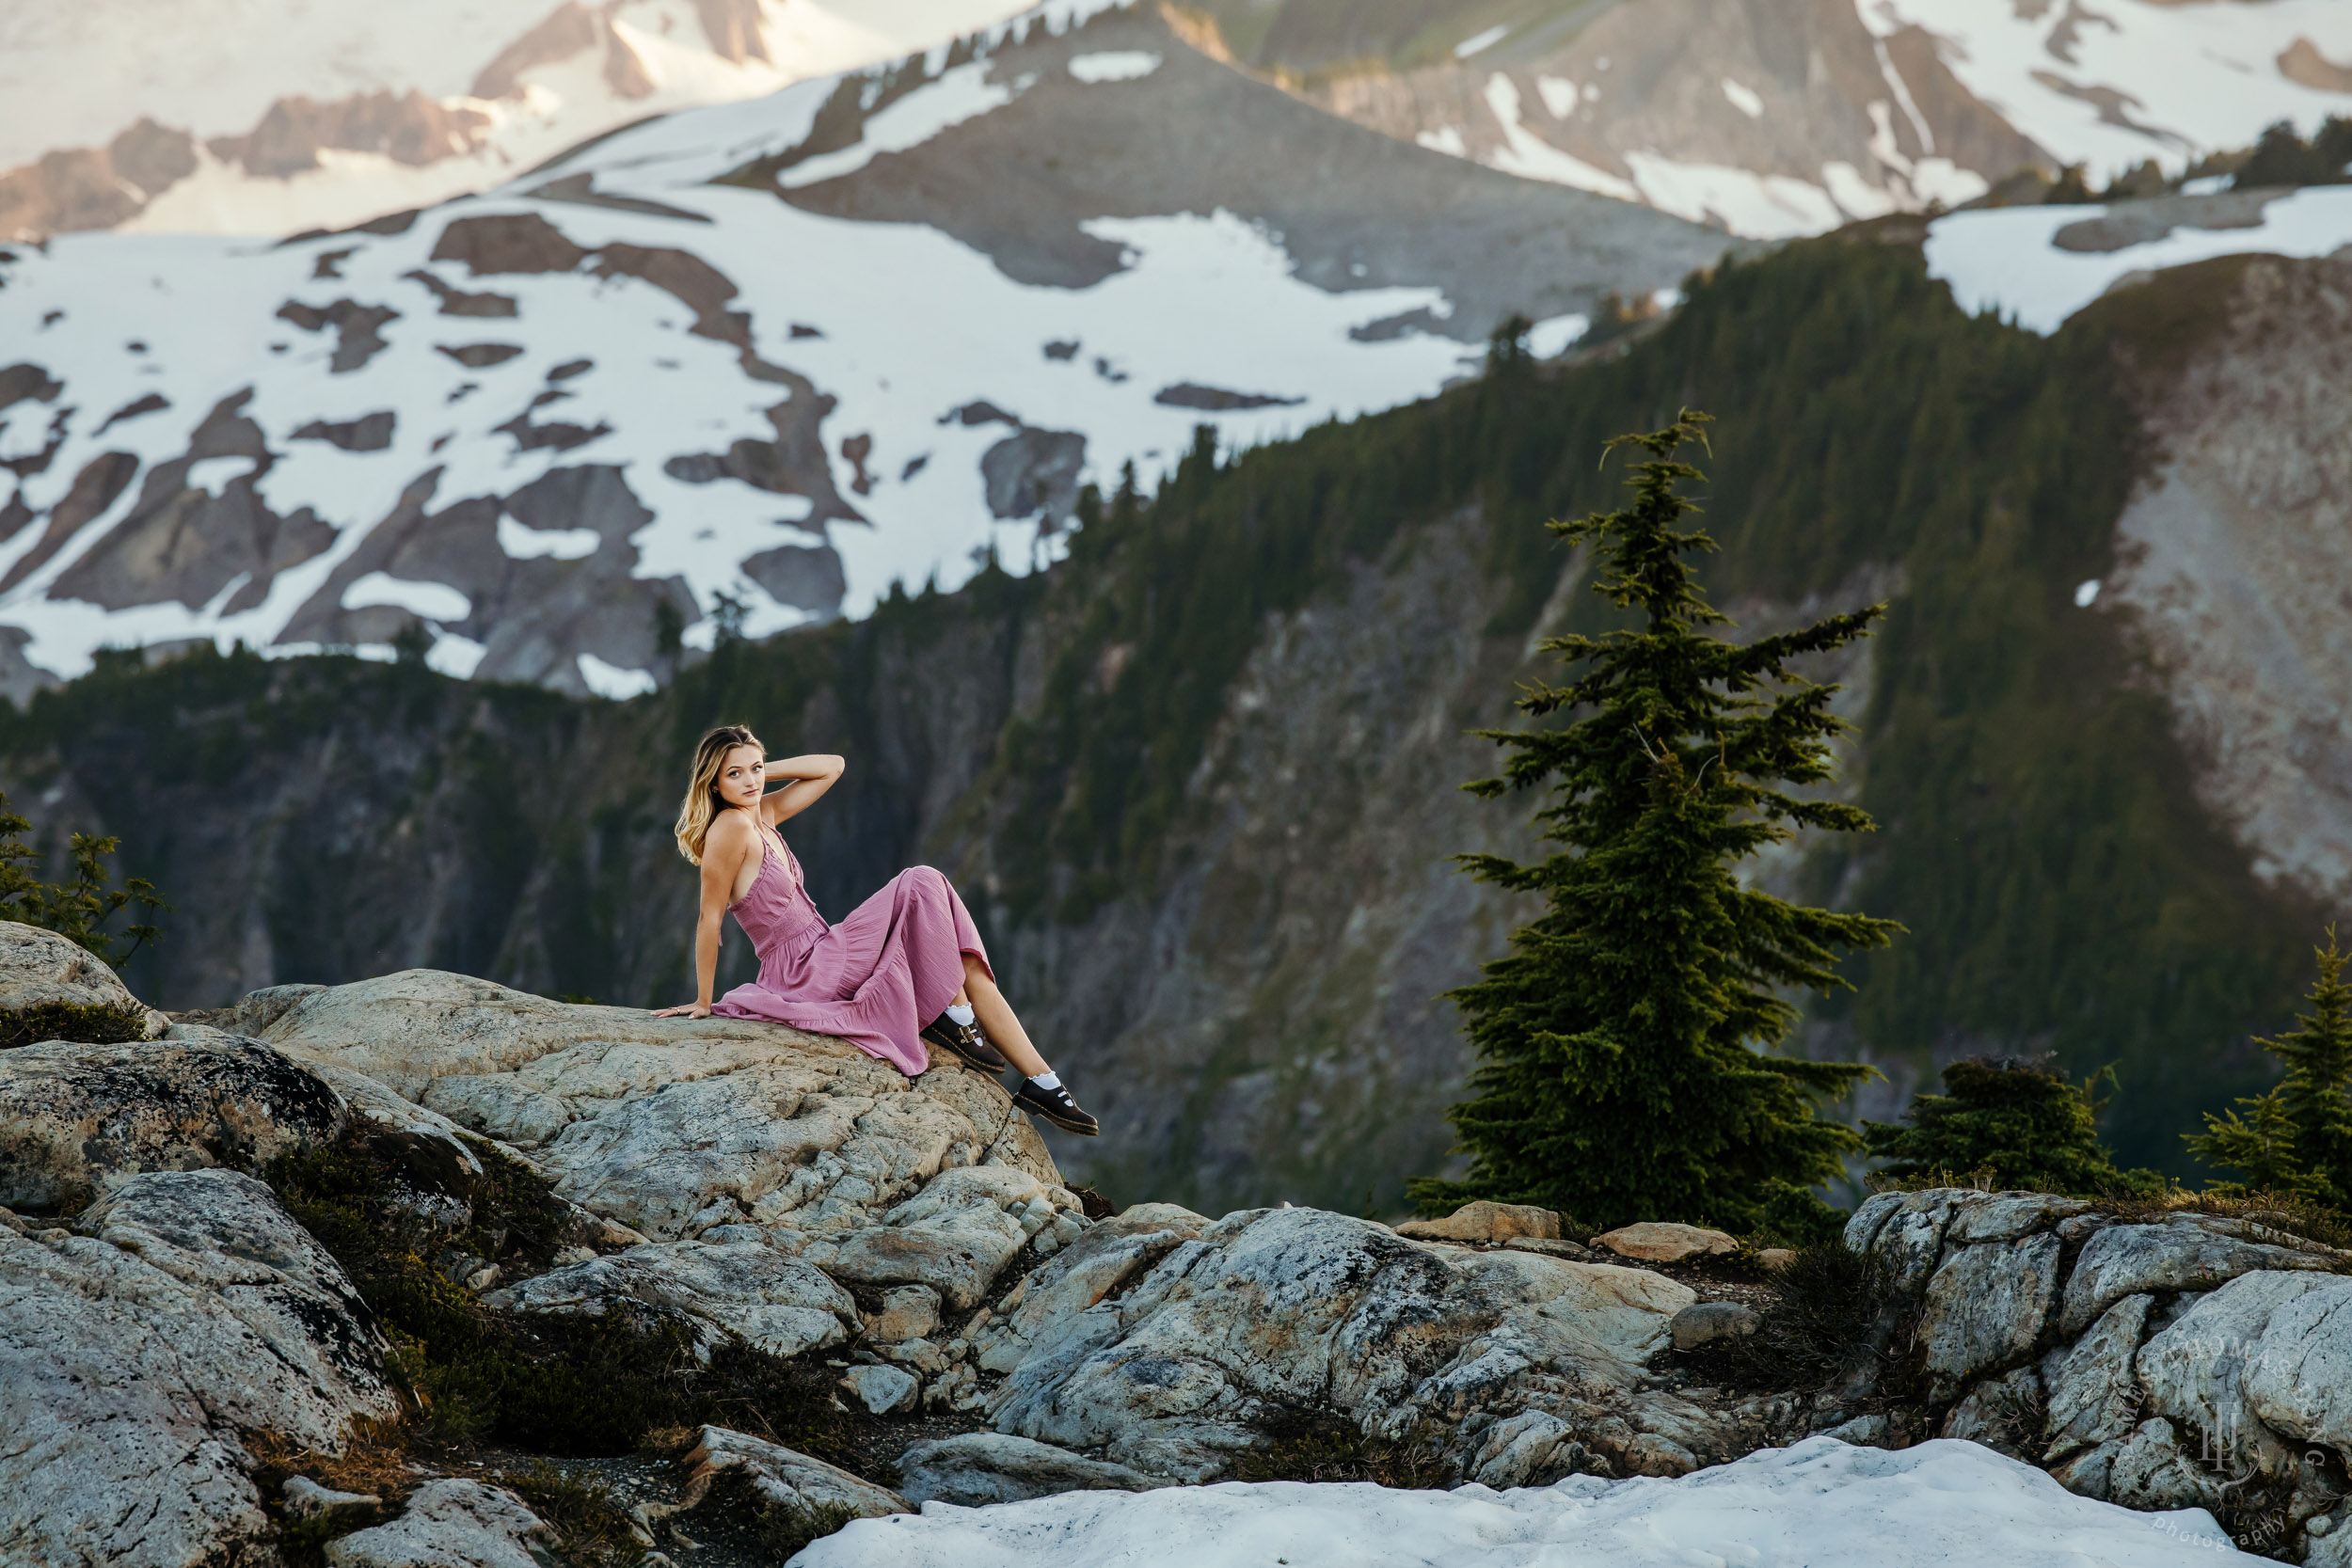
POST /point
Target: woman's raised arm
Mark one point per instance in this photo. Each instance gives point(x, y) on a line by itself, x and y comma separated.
point(810, 777)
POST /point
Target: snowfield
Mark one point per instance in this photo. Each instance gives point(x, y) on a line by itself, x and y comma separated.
point(2008, 260)
point(1819, 1504)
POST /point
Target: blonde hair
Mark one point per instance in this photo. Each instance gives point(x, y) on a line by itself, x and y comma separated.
point(700, 808)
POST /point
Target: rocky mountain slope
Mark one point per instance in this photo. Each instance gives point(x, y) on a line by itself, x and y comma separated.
point(1198, 781)
point(258, 116)
point(792, 351)
point(1796, 117)
point(743, 1200)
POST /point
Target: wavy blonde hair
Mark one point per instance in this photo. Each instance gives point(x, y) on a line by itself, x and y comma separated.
point(701, 807)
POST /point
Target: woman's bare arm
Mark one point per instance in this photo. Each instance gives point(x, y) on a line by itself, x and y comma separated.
point(810, 776)
point(730, 843)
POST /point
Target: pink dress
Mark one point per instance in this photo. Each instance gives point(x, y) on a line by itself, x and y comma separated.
point(874, 979)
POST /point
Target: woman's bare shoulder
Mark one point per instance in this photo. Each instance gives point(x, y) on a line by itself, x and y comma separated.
point(731, 831)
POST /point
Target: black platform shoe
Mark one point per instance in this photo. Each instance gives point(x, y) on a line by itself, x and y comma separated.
point(1056, 1106)
point(967, 1042)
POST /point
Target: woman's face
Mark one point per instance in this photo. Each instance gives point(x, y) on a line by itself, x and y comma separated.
point(743, 777)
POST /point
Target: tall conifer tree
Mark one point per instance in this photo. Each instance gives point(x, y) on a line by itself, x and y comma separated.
point(1621, 1069)
point(2299, 1136)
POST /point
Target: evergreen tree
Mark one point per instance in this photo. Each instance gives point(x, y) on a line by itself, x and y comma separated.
point(1621, 1069)
point(76, 910)
point(2019, 1122)
point(2298, 1138)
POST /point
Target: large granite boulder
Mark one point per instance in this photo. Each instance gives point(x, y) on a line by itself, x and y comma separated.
point(775, 1303)
point(39, 967)
point(449, 1523)
point(715, 1129)
point(184, 1310)
point(1171, 1366)
point(975, 1468)
point(73, 1116)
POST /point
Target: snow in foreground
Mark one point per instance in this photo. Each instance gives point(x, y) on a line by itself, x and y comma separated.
point(1819, 1504)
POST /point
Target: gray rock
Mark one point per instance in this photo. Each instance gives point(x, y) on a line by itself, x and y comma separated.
point(2003, 1413)
point(72, 1115)
point(1863, 1432)
point(777, 1303)
point(449, 1523)
point(2094, 1394)
point(1710, 1320)
point(133, 1356)
point(2298, 1382)
point(2193, 1252)
point(2145, 1469)
point(674, 1127)
point(306, 1499)
point(1534, 1447)
point(980, 1467)
point(883, 1390)
point(1984, 1309)
point(2006, 1216)
point(780, 1477)
point(1662, 1241)
point(1046, 1313)
point(1906, 1230)
point(1486, 1221)
point(909, 1312)
point(1291, 1308)
point(955, 1236)
point(39, 966)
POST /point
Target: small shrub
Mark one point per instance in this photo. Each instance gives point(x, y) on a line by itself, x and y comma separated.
point(79, 910)
point(591, 1531)
point(1312, 1447)
point(786, 1530)
point(1823, 1306)
point(84, 1024)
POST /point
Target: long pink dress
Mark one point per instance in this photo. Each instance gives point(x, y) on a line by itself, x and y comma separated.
point(874, 979)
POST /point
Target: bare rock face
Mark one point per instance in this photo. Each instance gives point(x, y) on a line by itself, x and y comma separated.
point(38, 966)
point(185, 1308)
point(1486, 1221)
point(981, 1467)
point(1658, 1241)
point(72, 1115)
point(683, 1129)
point(1278, 1310)
point(448, 1522)
point(777, 1303)
point(780, 1477)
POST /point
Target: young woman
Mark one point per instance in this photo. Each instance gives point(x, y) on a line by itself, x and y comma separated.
point(908, 953)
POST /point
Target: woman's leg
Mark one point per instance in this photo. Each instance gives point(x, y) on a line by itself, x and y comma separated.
point(997, 1021)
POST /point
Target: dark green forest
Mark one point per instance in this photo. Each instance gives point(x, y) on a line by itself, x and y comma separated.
point(2038, 837)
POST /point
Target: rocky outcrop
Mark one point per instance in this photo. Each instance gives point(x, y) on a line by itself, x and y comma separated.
point(448, 1524)
point(2187, 1360)
point(982, 1467)
point(1170, 1352)
point(73, 1116)
point(711, 1136)
point(778, 1304)
point(183, 1309)
point(779, 1478)
point(39, 966)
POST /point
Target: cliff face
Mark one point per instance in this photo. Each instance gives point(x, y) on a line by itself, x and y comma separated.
point(1200, 782)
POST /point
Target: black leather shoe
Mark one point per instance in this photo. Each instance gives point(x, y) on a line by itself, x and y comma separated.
point(1056, 1106)
point(967, 1042)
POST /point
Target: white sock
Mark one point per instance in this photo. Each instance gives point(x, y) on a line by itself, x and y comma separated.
point(1049, 1082)
point(962, 1013)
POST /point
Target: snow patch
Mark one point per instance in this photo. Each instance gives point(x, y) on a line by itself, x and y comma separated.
point(523, 543)
point(1446, 140)
point(212, 475)
point(434, 601)
point(2003, 260)
point(611, 680)
point(1940, 1504)
point(1478, 43)
point(1113, 65)
point(1529, 156)
point(1556, 335)
point(1760, 206)
point(1743, 98)
point(2128, 80)
point(455, 656)
point(2087, 594)
point(1559, 95)
point(950, 99)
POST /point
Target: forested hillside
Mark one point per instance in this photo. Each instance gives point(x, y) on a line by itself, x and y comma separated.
point(1199, 781)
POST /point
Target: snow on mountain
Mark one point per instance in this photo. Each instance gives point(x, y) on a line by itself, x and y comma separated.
point(791, 350)
point(1820, 1504)
point(2037, 265)
point(1787, 119)
point(265, 116)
